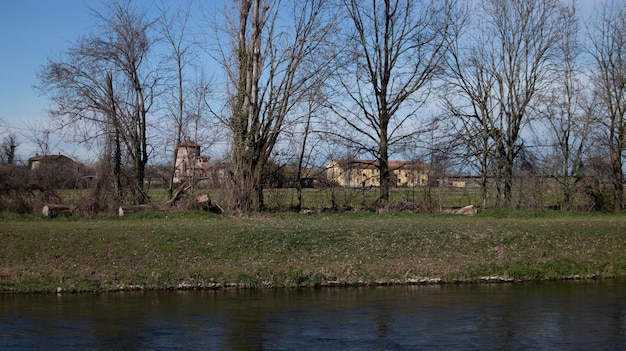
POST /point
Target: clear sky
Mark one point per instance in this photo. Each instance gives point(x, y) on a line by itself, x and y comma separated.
point(32, 31)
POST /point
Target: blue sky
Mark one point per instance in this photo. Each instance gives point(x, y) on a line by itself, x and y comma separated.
point(32, 31)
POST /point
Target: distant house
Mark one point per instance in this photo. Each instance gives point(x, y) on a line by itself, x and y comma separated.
point(59, 160)
point(365, 173)
point(459, 181)
point(287, 176)
point(55, 170)
point(190, 163)
point(308, 177)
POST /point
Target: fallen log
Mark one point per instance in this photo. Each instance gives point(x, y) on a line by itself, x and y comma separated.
point(54, 210)
point(468, 210)
point(123, 210)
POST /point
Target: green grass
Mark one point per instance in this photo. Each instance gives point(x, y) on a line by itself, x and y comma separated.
point(199, 250)
point(282, 199)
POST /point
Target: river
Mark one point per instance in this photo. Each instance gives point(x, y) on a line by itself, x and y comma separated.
point(576, 315)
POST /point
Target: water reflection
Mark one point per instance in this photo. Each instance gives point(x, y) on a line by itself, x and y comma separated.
point(571, 315)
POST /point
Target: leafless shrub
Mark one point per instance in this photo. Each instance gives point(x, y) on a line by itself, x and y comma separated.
point(15, 193)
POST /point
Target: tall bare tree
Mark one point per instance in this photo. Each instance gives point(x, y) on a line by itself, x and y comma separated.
point(174, 30)
point(469, 99)
point(105, 86)
point(521, 39)
point(503, 67)
point(393, 52)
point(525, 37)
point(608, 49)
point(563, 111)
point(268, 80)
point(7, 148)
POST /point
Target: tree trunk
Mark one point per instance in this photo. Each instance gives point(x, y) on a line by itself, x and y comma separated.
point(385, 176)
point(618, 185)
point(260, 201)
point(508, 183)
point(117, 167)
point(243, 185)
point(483, 186)
point(301, 156)
point(268, 80)
point(140, 194)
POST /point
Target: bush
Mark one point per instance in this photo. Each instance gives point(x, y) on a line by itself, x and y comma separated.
point(15, 193)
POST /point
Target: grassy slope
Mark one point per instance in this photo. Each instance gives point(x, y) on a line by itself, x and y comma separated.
point(199, 250)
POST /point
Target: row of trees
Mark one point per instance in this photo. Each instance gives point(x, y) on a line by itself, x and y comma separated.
point(527, 81)
point(488, 86)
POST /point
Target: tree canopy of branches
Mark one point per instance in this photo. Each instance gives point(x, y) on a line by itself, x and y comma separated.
point(495, 88)
point(7, 149)
point(104, 86)
point(269, 77)
point(393, 52)
point(564, 110)
point(498, 77)
point(174, 28)
point(525, 37)
point(608, 50)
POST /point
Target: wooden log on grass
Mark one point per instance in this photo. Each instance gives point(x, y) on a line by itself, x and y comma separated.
point(54, 210)
point(123, 210)
point(468, 210)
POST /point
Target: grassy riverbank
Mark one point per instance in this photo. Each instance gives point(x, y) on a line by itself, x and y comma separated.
point(197, 250)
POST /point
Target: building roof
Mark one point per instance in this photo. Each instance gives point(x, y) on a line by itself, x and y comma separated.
point(36, 160)
point(189, 143)
point(48, 158)
point(370, 164)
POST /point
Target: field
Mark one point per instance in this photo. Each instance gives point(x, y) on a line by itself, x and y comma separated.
point(155, 250)
point(281, 198)
point(436, 198)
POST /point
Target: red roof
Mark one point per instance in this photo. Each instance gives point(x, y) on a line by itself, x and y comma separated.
point(375, 164)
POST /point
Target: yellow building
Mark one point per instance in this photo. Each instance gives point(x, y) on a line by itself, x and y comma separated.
point(365, 173)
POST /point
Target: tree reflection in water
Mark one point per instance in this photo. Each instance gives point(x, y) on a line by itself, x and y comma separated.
point(571, 315)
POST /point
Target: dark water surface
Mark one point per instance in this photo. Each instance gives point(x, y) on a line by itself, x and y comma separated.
point(587, 315)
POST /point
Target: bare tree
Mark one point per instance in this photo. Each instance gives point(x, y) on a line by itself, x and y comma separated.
point(313, 108)
point(105, 87)
point(7, 149)
point(469, 99)
point(504, 79)
point(525, 38)
point(268, 80)
point(174, 31)
point(393, 52)
point(608, 49)
point(569, 125)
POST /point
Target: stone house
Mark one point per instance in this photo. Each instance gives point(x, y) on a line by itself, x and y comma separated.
point(365, 173)
point(58, 171)
point(61, 161)
point(190, 163)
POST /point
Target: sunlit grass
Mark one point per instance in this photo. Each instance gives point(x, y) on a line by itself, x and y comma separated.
point(430, 198)
point(200, 250)
point(285, 198)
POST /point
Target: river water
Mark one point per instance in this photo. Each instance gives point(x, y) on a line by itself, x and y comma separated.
point(582, 315)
